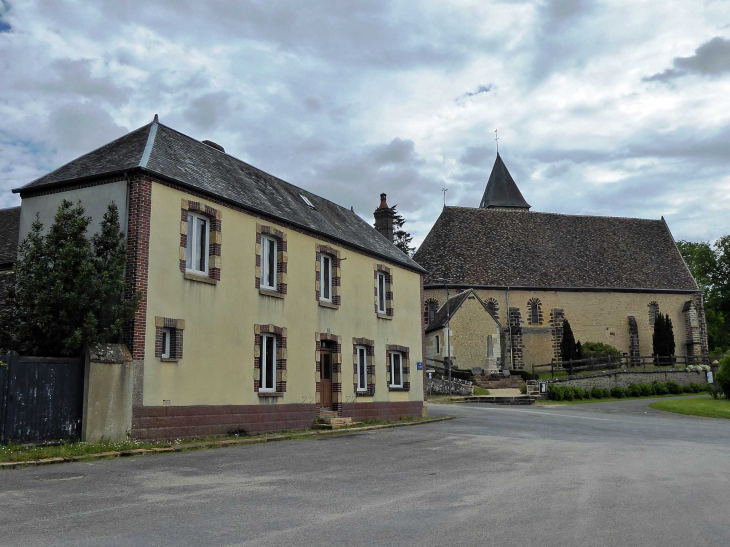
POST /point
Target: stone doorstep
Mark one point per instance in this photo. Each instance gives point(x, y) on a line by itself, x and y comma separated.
point(213, 444)
point(335, 420)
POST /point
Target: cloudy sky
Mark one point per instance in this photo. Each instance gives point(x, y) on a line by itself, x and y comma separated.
point(615, 108)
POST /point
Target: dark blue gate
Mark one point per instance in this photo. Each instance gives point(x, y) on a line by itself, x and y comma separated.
point(41, 398)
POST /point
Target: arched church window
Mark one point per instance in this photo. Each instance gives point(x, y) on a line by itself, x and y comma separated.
point(429, 310)
point(535, 311)
point(493, 307)
point(653, 312)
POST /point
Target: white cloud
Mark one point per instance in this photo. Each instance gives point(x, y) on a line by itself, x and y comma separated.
point(353, 98)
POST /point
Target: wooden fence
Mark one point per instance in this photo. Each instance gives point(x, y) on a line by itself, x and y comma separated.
point(41, 398)
point(597, 364)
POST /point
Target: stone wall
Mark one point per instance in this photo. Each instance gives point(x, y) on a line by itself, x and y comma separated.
point(625, 378)
point(440, 386)
point(594, 316)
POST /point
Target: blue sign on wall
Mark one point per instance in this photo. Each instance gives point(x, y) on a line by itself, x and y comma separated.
point(420, 365)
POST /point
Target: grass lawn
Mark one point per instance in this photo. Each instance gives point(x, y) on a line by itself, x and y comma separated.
point(705, 406)
point(610, 399)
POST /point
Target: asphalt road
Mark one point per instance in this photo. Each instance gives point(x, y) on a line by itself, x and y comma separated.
point(601, 474)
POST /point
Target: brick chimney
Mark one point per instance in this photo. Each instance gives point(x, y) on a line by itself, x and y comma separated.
point(384, 219)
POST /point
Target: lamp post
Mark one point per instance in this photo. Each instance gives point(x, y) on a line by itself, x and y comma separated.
point(448, 331)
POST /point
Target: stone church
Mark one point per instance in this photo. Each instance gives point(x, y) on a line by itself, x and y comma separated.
point(514, 276)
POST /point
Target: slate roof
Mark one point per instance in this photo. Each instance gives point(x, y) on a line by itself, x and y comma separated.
point(9, 232)
point(489, 247)
point(501, 189)
point(160, 150)
point(455, 302)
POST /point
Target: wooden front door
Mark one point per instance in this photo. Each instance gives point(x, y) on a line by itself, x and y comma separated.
point(325, 378)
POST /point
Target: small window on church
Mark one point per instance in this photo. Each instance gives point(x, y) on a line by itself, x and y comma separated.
point(493, 308)
point(653, 312)
point(534, 305)
point(429, 310)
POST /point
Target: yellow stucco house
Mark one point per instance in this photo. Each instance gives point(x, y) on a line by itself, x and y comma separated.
point(262, 304)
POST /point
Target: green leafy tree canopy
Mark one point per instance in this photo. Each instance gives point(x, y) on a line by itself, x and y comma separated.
point(69, 289)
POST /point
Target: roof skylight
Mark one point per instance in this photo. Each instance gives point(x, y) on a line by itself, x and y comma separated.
point(306, 200)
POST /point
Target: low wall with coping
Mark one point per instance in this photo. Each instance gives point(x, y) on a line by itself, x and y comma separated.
point(624, 378)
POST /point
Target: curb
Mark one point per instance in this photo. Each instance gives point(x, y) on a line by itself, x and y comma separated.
point(211, 444)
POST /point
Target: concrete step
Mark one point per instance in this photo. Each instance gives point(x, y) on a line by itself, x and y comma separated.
point(486, 383)
point(335, 425)
point(327, 414)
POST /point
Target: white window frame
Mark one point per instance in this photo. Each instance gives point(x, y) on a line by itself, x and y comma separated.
point(264, 355)
point(362, 368)
point(392, 368)
point(322, 259)
point(166, 337)
point(193, 244)
point(265, 262)
point(534, 313)
point(382, 296)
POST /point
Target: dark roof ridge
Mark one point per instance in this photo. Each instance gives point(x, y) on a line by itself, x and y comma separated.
point(15, 190)
point(257, 168)
point(497, 211)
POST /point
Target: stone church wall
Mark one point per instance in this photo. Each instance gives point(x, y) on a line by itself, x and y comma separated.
point(594, 317)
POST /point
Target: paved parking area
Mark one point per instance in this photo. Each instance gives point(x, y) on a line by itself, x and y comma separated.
point(600, 474)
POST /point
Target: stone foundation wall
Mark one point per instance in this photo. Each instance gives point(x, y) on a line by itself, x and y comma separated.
point(179, 422)
point(625, 378)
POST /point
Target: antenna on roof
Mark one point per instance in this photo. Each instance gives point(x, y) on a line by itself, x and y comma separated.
point(496, 139)
point(156, 120)
point(444, 190)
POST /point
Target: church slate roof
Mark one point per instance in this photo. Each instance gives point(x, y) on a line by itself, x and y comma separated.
point(163, 151)
point(498, 248)
point(9, 232)
point(501, 189)
point(455, 302)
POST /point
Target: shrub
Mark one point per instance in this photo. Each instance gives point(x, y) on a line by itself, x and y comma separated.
point(633, 390)
point(523, 389)
point(556, 393)
point(687, 389)
point(646, 390)
point(722, 378)
point(618, 392)
point(696, 388)
point(673, 387)
point(596, 393)
point(581, 393)
point(606, 393)
point(569, 394)
point(599, 349)
point(659, 388)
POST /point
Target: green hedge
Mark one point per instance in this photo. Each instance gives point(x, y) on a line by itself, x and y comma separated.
point(571, 393)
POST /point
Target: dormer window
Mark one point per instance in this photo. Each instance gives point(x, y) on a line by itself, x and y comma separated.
point(198, 244)
point(304, 198)
point(268, 262)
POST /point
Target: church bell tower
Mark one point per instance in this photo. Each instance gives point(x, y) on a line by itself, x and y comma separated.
point(502, 192)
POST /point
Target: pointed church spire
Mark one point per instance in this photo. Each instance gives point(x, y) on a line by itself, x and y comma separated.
point(501, 189)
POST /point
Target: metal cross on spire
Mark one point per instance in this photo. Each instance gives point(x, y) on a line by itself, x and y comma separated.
point(496, 139)
point(444, 190)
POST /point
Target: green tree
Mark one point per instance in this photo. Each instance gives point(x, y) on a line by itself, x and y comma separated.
point(401, 237)
point(68, 289)
point(663, 337)
point(710, 266)
point(567, 344)
point(723, 376)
